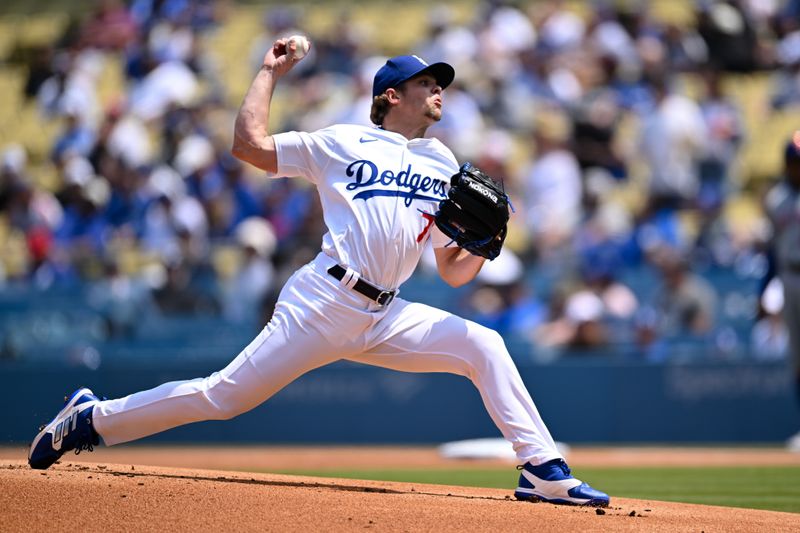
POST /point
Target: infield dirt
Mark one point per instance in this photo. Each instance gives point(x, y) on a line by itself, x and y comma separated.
point(108, 491)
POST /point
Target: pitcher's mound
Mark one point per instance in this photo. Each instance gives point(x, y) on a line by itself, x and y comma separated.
point(125, 497)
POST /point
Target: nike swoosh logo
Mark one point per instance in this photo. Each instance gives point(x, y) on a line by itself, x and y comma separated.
point(363, 140)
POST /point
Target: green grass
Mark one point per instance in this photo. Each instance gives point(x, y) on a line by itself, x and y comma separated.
point(771, 488)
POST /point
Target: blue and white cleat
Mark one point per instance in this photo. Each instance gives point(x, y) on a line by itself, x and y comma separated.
point(552, 482)
point(71, 429)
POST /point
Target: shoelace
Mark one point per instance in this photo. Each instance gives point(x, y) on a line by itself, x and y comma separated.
point(561, 464)
point(88, 446)
point(88, 443)
point(564, 468)
point(85, 446)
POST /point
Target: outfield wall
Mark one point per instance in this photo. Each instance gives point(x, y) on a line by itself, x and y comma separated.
point(581, 401)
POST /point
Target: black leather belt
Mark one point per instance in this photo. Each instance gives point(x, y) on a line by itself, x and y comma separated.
point(376, 294)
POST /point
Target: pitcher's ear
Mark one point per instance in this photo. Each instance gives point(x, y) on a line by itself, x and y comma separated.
point(393, 95)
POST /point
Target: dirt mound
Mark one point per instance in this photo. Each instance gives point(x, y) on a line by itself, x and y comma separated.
point(116, 497)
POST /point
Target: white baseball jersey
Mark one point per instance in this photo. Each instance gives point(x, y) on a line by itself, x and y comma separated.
point(378, 190)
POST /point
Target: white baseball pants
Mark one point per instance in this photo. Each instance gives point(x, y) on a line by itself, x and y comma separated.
point(317, 321)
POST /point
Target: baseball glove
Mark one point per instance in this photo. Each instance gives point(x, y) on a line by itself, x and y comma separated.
point(475, 212)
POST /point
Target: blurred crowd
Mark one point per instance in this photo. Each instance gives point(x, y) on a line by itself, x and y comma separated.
point(619, 170)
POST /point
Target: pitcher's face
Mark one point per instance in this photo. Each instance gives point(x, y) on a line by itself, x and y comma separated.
point(422, 95)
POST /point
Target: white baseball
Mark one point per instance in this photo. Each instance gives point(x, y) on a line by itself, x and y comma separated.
point(301, 46)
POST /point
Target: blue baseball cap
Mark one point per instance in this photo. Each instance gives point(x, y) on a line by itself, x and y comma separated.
point(401, 68)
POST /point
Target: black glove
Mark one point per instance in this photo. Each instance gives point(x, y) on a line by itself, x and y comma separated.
point(475, 212)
